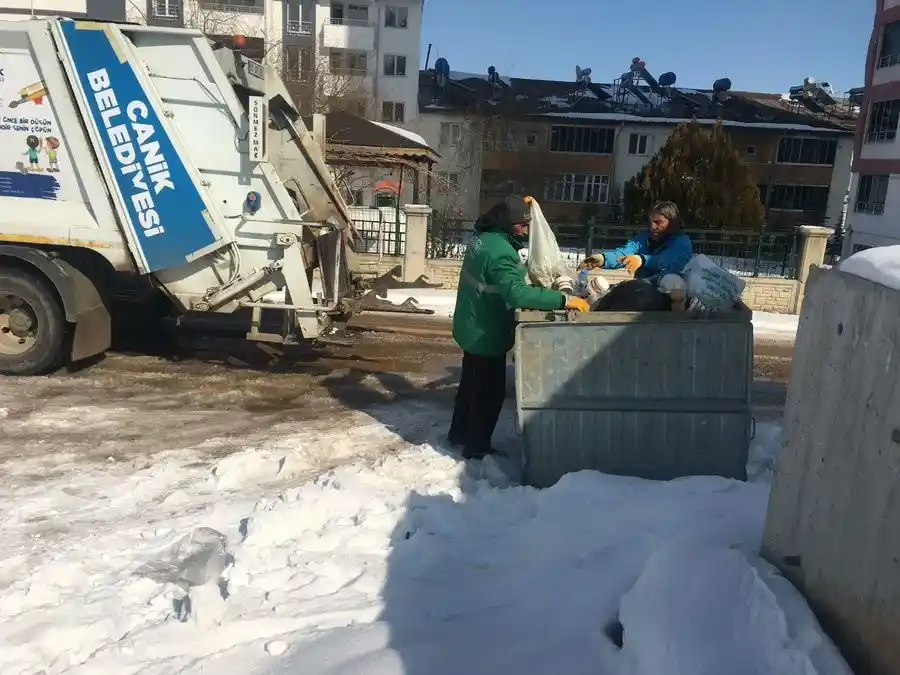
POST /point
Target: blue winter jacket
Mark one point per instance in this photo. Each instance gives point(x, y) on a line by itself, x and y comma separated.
point(668, 257)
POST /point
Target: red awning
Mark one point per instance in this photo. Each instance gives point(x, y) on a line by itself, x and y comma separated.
point(387, 186)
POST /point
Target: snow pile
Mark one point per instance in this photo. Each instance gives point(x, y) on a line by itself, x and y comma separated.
point(370, 555)
point(771, 326)
point(880, 265)
point(766, 325)
point(441, 302)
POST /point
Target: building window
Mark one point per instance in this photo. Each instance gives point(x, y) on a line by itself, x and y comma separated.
point(392, 111)
point(358, 197)
point(451, 134)
point(807, 150)
point(577, 187)
point(750, 152)
point(593, 140)
point(871, 194)
point(530, 140)
point(448, 181)
point(890, 46)
point(349, 15)
point(883, 122)
point(637, 144)
point(394, 65)
point(798, 198)
point(385, 200)
point(396, 17)
point(344, 62)
point(298, 64)
point(166, 9)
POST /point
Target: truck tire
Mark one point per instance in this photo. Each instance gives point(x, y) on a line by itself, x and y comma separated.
point(32, 325)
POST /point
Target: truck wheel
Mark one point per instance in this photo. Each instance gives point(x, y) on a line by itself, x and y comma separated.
point(32, 325)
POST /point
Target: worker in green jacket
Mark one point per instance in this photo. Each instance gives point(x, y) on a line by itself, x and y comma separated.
point(491, 287)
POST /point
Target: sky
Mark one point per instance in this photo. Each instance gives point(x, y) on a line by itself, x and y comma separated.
point(765, 45)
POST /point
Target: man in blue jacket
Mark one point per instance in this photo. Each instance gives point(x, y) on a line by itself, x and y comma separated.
point(662, 249)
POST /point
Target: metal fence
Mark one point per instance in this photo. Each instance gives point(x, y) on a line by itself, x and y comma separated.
point(760, 254)
point(379, 230)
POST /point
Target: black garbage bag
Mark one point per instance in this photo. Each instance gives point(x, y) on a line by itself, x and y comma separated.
point(636, 295)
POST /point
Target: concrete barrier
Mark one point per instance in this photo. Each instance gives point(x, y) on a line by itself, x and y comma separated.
point(833, 524)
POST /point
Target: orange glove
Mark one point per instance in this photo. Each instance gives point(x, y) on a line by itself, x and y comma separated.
point(578, 305)
point(632, 263)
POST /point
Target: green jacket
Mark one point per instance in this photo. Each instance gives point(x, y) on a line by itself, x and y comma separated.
point(491, 287)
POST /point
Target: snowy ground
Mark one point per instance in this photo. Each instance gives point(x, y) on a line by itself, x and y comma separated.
point(766, 325)
point(360, 545)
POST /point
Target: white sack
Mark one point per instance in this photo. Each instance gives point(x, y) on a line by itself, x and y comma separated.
point(715, 288)
point(545, 262)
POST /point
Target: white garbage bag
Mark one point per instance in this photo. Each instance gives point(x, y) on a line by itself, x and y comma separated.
point(546, 263)
point(713, 287)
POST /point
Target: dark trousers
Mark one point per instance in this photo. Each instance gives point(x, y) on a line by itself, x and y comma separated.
point(479, 400)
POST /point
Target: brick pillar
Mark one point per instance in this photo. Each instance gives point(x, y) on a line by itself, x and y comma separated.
point(813, 241)
point(416, 235)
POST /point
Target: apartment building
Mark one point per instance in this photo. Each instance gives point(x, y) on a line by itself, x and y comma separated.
point(575, 144)
point(361, 56)
point(109, 10)
point(874, 205)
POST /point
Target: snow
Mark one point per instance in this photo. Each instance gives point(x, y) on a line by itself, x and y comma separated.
point(769, 325)
point(458, 75)
point(880, 265)
point(400, 131)
point(766, 325)
point(355, 551)
point(637, 119)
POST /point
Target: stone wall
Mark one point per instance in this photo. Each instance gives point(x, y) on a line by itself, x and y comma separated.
point(763, 294)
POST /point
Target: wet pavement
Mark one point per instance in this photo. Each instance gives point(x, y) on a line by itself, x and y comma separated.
point(148, 397)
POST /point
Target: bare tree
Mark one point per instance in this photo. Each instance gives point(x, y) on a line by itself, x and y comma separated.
point(321, 85)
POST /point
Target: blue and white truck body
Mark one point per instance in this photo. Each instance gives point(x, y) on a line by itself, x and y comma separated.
point(141, 154)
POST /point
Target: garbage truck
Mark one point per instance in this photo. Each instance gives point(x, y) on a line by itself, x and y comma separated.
point(137, 177)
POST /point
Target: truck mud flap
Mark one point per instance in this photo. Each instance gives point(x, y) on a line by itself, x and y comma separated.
point(82, 305)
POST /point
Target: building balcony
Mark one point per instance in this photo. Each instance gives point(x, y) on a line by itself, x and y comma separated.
point(256, 7)
point(349, 34)
point(302, 28)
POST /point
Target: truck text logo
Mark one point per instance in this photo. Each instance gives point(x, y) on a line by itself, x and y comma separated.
point(127, 138)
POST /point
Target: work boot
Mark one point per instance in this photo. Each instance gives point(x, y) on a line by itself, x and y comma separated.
point(478, 453)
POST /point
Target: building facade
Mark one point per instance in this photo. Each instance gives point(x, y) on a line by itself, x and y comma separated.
point(108, 10)
point(361, 55)
point(874, 203)
point(574, 145)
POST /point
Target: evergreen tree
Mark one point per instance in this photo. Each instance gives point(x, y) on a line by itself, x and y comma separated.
point(704, 175)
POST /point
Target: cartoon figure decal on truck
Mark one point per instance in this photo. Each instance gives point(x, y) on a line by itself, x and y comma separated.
point(29, 133)
point(33, 153)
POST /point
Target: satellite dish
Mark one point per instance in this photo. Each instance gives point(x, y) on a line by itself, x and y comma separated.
point(722, 84)
point(578, 73)
point(491, 70)
point(667, 79)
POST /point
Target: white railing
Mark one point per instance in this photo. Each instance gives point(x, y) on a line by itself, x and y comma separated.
point(165, 10)
point(230, 8)
point(337, 21)
point(874, 208)
point(299, 28)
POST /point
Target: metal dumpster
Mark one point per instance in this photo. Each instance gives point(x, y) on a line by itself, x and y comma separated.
point(655, 394)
